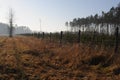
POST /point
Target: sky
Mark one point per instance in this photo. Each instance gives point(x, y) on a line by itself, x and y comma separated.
point(51, 15)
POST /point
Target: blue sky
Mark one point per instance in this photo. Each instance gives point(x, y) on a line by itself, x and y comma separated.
point(52, 13)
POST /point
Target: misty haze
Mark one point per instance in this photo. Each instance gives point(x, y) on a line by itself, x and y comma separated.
point(59, 39)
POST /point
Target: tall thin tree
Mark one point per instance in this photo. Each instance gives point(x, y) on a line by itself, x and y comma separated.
point(11, 20)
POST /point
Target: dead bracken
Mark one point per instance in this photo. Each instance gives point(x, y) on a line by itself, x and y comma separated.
point(35, 59)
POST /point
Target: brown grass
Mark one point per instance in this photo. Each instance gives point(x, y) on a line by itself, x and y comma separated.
point(30, 58)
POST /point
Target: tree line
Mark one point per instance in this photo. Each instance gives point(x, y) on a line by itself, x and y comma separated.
point(100, 23)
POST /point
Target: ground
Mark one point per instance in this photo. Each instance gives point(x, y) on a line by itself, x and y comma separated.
point(29, 58)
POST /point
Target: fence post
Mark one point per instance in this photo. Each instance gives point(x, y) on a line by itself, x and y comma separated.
point(43, 35)
point(93, 39)
point(79, 36)
point(32, 34)
point(35, 34)
point(61, 36)
point(38, 34)
point(50, 36)
point(116, 39)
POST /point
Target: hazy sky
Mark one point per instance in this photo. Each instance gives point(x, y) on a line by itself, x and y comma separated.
point(52, 13)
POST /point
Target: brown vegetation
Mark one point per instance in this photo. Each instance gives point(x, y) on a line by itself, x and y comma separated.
point(28, 58)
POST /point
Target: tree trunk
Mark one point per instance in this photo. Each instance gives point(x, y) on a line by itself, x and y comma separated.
point(11, 30)
point(108, 29)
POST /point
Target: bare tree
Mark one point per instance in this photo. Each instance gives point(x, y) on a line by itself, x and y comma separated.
point(11, 20)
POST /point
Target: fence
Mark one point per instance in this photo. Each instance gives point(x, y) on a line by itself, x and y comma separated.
point(92, 38)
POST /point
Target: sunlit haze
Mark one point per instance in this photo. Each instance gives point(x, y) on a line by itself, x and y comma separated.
point(51, 14)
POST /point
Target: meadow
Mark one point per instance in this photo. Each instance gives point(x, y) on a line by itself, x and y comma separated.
point(30, 58)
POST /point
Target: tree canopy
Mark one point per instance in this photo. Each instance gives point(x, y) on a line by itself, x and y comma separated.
point(106, 19)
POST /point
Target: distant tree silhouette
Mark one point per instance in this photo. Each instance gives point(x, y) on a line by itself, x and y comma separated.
point(118, 4)
point(11, 20)
point(71, 25)
point(110, 19)
point(66, 24)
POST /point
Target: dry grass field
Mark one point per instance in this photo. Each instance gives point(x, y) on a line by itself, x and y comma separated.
point(28, 58)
